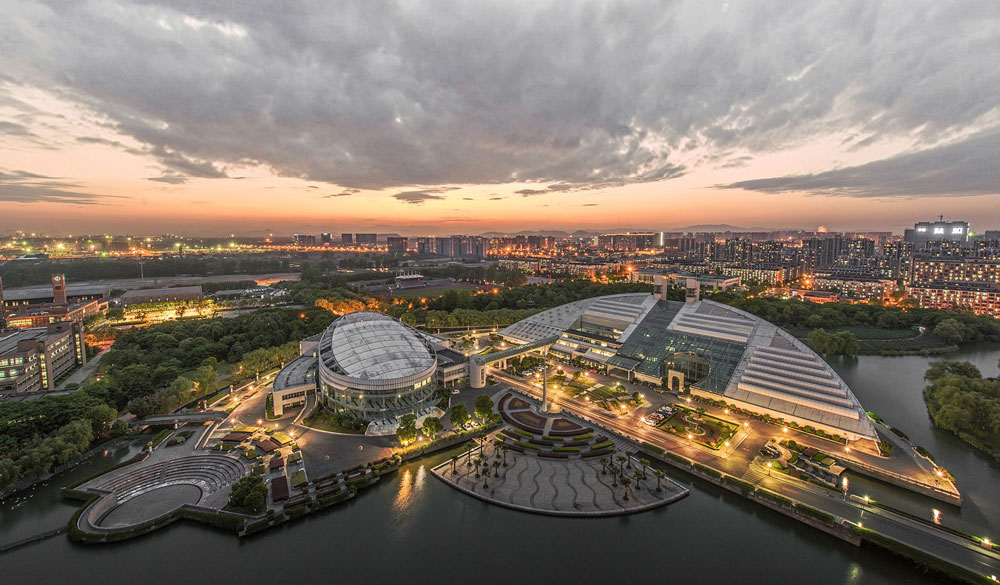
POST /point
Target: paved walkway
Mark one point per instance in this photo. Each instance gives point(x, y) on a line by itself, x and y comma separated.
point(571, 487)
point(84, 371)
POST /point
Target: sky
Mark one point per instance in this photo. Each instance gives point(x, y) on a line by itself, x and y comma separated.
point(438, 117)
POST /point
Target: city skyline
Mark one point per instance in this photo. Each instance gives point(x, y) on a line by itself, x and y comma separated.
point(180, 117)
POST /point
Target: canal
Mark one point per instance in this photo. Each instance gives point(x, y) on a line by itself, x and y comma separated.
point(413, 528)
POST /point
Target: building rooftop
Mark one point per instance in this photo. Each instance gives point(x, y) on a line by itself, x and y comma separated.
point(9, 341)
point(296, 373)
point(142, 292)
point(373, 346)
point(45, 292)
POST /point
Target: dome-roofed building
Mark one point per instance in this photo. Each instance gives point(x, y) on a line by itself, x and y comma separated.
point(374, 367)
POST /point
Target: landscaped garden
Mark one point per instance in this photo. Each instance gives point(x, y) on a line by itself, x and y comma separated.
point(699, 427)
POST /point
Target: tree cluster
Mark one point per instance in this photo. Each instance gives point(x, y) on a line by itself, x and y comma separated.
point(249, 494)
point(833, 344)
point(30, 273)
point(960, 400)
point(144, 361)
point(39, 435)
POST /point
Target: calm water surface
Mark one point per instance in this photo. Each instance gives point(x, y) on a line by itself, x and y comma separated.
point(413, 528)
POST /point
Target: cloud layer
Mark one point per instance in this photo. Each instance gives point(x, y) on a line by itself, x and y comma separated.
point(387, 95)
point(966, 167)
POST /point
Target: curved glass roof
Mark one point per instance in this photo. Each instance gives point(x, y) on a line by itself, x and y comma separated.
point(373, 346)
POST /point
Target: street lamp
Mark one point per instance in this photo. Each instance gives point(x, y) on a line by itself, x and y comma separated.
point(844, 484)
point(769, 469)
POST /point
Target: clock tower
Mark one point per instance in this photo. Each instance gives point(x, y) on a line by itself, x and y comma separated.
point(59, 289)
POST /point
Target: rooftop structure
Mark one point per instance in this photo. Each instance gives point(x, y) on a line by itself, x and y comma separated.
point(707, 348)
point(161, 295)
point(375, 367)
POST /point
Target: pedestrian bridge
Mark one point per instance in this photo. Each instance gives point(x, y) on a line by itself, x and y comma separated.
point(183, 417)
point(479, 363)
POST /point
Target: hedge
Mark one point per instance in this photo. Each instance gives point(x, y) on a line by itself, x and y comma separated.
point(524, 445)
point(814, 513)
point(745, 487)
point(707, 470)
point(654, 448)
point(160, 436)
point(679, 459)
point(773, 497)
point(599, 446)
point(565, 449)
point(551, 438)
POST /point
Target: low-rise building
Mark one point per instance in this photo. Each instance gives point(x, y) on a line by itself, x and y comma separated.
point(31, 360)
point(659, 277)
point(161, 295)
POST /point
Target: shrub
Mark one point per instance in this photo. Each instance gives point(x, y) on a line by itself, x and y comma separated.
point(299, 478)
point(654, 448)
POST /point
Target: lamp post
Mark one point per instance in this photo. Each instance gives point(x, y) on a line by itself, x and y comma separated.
point(844, 484)
point(769, 469)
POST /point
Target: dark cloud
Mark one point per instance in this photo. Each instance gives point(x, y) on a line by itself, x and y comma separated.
point(344, 193)
point(966, 167)
point(590, 204)
point(26, 187)
point(422, 196)
point(14, 129)
point(169, 177)
point(387, 95)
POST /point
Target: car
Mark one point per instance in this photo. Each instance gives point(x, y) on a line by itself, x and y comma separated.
point(456, 391)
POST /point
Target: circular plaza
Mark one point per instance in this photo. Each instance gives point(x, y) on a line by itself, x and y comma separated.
point(552, 464)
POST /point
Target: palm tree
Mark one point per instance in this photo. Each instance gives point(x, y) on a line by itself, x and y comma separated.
point(477, 461)
point(614, 477)
point(659, 476)
point(645, 463)
point(496, 469)
point(468, 458)
point(628, 459)
point(638, 476)
point(504, 448)
point(621, 463)
point(604, 465)
point(454, 460)
point(625, 484)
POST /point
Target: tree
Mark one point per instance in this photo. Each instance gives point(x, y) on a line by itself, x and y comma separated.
point(407, 431)
point(458, 415)
point(9, 474)
point(484, 407)
point(249, 494)
point(431, 426)
point(951, 331)
point(659, 477)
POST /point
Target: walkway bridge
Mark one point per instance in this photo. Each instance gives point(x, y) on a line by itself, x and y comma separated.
point(182, 417)
point(479, 363)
